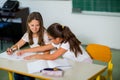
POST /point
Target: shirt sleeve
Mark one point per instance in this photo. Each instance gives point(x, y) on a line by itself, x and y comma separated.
point(63, 45)
point(25, 37)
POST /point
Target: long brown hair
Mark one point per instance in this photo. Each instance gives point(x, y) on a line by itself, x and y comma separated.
point(57, 30)
point(36, 16)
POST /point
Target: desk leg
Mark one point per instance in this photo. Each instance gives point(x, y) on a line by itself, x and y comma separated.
point(10, 75)
point(98, 77)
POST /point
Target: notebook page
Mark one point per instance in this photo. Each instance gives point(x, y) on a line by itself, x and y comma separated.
point(36, 66)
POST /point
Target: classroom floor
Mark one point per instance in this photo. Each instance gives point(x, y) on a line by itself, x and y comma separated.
point(115, 55)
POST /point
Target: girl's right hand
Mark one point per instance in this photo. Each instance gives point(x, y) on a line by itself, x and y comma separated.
point(19, 53)
point(9, 51)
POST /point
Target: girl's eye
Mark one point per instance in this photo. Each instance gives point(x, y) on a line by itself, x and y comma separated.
point(32, 25)
point(51, 39)
point(37, 26)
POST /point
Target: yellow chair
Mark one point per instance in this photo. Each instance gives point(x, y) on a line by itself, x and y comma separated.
point(101, 53)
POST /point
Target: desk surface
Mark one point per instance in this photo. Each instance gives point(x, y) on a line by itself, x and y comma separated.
point(79, 71)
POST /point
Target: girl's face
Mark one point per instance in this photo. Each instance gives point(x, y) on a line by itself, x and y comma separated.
point(55, 40)
point(34, 26)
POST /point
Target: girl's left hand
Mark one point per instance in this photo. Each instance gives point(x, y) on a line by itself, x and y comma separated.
point(31, 57)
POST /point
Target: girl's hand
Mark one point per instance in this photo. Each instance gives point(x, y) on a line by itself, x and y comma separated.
point(21, 52)
point(35, 56)
point(9, 51)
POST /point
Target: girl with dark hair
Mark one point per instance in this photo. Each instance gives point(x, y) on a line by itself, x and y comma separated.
point(66, 43)
point(35, 36)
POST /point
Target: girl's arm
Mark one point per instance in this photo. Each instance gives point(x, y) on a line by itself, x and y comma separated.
point(36, 49)
point(16, 46)
point(52, 56)
point(46, 52)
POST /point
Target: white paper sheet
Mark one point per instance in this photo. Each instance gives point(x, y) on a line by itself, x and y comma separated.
point(14, 56)
point(36, 66)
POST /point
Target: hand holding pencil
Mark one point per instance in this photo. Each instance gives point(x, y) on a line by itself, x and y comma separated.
point(12, 49)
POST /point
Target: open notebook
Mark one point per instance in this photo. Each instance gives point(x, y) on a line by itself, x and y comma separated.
point(38, 65)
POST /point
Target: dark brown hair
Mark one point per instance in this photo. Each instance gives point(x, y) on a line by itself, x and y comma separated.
point(36, 16)
point(56, 30)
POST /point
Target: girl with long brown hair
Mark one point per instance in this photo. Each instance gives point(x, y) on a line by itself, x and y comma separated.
point(35, 36)
point(62, 38)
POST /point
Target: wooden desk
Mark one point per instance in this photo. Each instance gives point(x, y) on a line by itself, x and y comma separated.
point(79, 71)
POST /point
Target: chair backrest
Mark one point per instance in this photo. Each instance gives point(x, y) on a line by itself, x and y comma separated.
point(99, 52)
